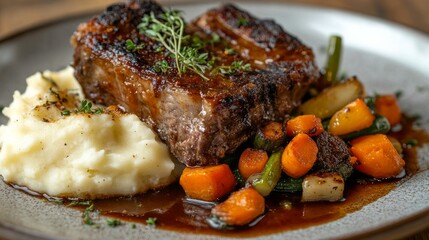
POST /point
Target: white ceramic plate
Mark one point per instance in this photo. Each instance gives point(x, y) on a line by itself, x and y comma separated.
point(385, 56)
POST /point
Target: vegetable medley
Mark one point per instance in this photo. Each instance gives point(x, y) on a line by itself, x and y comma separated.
point(336, 132)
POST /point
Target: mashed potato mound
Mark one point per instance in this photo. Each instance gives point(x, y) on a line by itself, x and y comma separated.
point(51, 147)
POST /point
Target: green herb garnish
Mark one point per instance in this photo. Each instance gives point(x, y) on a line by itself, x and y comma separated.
point(229, 51)
point(233, 68)
point(80, 203)
point(215, 38)
point(131, 46)
point(86, 218)
point(242, 22)
point(85, 107)
point(168, 29)
point(65, 112)
point(113, 222)
point(57, 201)
point(161, 66)
point(159, 49)
point(151, 221)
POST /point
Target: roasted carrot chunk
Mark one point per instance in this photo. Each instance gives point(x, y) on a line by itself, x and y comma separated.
point(299, 156)
point(353, 117)
point(241, 208)
point(207, 183)
point(387, 106)
point(308, 124)
point(376, 156)
point(252, 161)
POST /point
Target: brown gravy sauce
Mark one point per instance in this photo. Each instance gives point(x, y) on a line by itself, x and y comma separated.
point(175, 212)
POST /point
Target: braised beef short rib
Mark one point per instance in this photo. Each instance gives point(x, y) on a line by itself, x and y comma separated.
point(201, 120)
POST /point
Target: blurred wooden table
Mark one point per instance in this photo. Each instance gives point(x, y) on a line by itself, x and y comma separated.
point(18, 15)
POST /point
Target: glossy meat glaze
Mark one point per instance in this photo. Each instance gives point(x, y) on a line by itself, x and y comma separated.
point(201, 120)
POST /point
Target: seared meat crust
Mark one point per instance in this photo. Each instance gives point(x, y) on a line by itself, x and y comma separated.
point(200, 120)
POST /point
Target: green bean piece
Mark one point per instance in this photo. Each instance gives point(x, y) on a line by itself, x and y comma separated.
point(241, 182)
point(380, 126)
point(370, 102)
point(270, 175)
point(334, 59)
point(288, 184)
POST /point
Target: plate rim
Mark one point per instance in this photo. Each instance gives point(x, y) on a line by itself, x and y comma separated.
point(403, 227)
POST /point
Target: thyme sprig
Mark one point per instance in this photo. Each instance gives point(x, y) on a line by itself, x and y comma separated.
point(85, 107)
point(235, 67)
point(168, 29)
point(161, 66)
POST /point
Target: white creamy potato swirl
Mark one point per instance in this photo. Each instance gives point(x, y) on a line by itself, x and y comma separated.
point(51, 146)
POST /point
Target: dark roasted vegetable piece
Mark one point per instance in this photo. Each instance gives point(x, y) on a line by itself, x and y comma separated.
point(333, 156)
point(270, 137)
point(288, 184)
point(380, 125)
point(270, 176)
point(333, 61)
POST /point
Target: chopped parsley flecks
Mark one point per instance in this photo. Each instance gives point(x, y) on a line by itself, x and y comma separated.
point(229, 51)
point(131, 46)
point(57, 201)
point(242, 22)
point(86, 216)
point(80, 203)
point(151, 221)
point(113, 222)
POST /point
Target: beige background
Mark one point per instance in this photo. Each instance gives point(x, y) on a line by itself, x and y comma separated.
point(19, 15)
